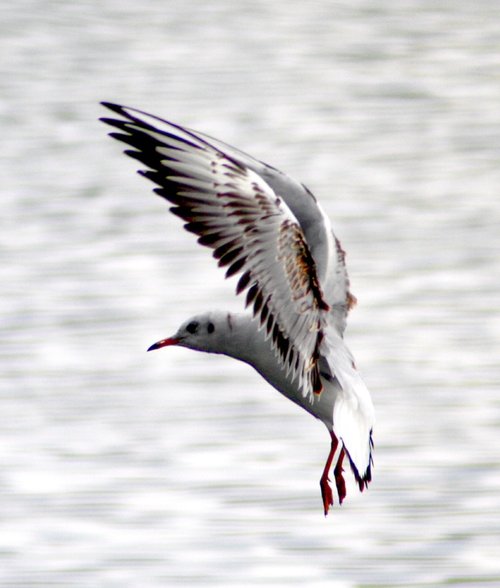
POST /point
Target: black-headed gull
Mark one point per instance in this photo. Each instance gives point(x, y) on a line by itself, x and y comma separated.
point(269, 229)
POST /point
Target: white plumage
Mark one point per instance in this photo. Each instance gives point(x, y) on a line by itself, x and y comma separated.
point(270, 230)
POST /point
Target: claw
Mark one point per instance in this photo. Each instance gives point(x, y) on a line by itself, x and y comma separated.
point(326, 494)
point(326, 490)
point(339, 478)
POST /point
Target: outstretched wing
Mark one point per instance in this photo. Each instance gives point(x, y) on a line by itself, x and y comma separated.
point(250, 228)
point(324, 246)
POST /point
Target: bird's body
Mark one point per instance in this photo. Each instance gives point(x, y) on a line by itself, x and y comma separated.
point(268, 228)
point(237, 335)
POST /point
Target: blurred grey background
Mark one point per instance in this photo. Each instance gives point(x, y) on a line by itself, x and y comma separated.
point(120, 468)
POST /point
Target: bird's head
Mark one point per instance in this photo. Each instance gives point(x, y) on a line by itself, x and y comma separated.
point(203, 332)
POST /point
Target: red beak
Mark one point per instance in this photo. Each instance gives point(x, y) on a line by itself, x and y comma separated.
point(164, 343)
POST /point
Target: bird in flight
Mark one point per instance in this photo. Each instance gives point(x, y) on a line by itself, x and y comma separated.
point(269, 230)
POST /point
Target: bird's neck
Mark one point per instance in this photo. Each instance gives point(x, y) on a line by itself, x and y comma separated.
point(245, 342)
point(242, 338)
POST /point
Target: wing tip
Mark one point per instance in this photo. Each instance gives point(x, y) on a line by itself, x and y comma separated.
point(114, 107)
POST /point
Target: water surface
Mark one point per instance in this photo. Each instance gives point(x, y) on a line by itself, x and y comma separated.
point(121, 468)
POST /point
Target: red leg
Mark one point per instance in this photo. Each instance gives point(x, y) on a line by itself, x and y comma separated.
point(339, 478)
point(326, 491)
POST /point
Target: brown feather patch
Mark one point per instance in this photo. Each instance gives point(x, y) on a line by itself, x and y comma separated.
point(299, 266)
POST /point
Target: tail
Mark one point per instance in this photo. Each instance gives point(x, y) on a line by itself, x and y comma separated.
point(353, 412)
point(364, 479)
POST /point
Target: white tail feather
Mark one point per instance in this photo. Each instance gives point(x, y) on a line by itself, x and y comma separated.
point(353, 412)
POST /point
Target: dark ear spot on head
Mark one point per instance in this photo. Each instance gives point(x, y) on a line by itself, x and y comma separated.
point(210, 328)
point(192, 327)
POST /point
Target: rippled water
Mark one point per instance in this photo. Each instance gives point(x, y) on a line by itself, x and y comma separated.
point(121, 468)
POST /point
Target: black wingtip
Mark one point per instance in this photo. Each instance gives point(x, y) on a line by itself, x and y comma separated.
point(117, 109)
point(123, 111)
point(133, 115)
point(112, 106)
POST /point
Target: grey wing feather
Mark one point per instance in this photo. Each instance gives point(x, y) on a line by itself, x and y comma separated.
point(324, 246)
point(250, 228)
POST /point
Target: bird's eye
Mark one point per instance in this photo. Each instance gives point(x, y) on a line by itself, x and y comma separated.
point(210, 328)
point(192, 327)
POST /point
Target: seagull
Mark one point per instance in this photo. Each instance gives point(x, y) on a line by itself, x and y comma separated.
point(268, 229)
